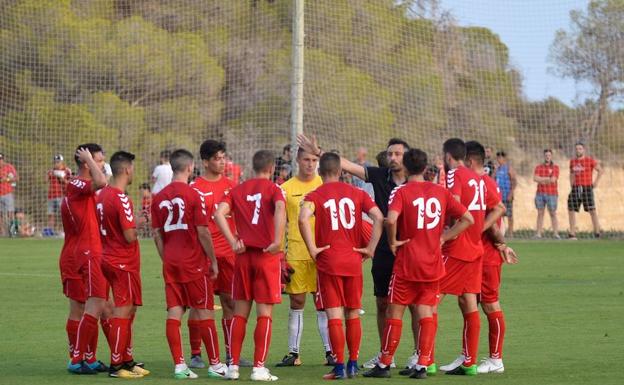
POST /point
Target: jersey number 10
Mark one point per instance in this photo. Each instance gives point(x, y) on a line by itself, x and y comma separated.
point(340, 211)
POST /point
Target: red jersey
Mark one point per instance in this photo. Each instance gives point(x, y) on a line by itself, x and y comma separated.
point(470, 187)
point(177, 210)
point(253, 205)
point(6, 171)
point(213, 193)
point(423, 209)
point(82, 234)
point(116, 214)
point(491, 255)
point(546, 170)
point(57, 178)
point(338, 209)
point(583, 170)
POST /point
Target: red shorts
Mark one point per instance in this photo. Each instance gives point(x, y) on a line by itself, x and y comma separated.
point(339, 291)
point(126, 285)
point(461, 276)
point(196, 294)
point(223, 284)
point(257, 277)
point(95, 285)
point(404, 292)
point(490, 283)
point(74, 289)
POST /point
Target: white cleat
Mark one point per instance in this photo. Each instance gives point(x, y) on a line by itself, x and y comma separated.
point(491, 365)
point(374, 361)
point(217, 371)
point(453, 365)
point(262, 374)
point(182, 372)
point(412, 361)
point(232, 373)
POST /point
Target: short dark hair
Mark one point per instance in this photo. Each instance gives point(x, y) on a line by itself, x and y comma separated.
point(415, 161)
point(210, 148)
point(120, 160)
point(394, 141)
point(329, 164)
point(475, 151)
point(286, 148)
point(579, 144)
point(165, 154)
point(92, 147)
point(382, 159)
point(502, 154)
point(180, 160)
point(262, 161)
point(456, 148)
point(144, 186)
point(547, 150)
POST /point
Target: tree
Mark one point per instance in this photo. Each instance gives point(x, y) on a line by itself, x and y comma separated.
point(593, 50)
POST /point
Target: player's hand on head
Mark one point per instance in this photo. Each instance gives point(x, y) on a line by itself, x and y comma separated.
point(84, 154)
point(308, 144)
point(273, 248)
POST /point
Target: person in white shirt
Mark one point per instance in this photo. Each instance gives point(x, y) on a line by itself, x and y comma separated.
point(163, 173)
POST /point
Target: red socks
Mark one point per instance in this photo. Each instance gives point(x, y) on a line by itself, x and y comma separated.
point(119, 339)
point(426, 338)
point(354, 338)
point(208, 330)
point(71, 327)
point(336, 338)
point(226, 324)
point(435, 332)
point(470, 340)
point(86, 334)
point(195, 336)
point(262, 341)
point(127, 355)
point(175, 340)
point(390, 341)
point(237, 335)
point(496, 322)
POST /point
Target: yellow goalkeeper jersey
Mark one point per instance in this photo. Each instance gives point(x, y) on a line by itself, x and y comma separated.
point(295, 191)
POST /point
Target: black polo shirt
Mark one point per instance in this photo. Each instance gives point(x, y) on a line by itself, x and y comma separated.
point(383, 184)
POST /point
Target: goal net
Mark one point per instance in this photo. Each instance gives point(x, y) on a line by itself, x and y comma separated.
point(152, 75)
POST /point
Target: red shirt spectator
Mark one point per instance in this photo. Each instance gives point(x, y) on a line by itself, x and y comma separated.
point(547, 170)
point(583, 170)
point(8, 176)
point(58, 177)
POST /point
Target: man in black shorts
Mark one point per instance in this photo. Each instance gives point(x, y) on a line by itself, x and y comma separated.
point(384, 180)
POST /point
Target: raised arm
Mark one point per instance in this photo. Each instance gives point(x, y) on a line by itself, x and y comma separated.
point(311, 145)
point(98, 177)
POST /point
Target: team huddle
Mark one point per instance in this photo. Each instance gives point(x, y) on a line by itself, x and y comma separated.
point(218, 238)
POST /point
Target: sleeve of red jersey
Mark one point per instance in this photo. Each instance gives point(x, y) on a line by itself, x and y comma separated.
point(125, 212)
point(278, 194)
point(453, 184)
point(454, 209)
point(200, 212)
point(491, 197)
point(396, 201)
point(156, 224)
point(80, 187)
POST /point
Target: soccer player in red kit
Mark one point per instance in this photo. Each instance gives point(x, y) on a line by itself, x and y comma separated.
point(259, 210)
point(418, 211)
point(83, 281)
point(212, 185)
point(463, 254)
point(337, 248)
point(180, 221)
point(495, 252)
point(121, 263)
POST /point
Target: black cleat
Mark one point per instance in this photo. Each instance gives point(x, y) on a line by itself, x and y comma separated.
point(462, 370)
point(407, 371)
point(291, 359)
point(330, 359)
point(378, 372)
point(419, 374)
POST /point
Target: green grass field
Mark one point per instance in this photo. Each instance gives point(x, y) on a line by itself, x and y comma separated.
point(564, 305)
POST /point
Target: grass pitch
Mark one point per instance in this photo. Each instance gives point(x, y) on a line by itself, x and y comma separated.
point(564, 307)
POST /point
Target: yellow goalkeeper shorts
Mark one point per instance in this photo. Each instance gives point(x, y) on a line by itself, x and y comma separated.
point(303, 280)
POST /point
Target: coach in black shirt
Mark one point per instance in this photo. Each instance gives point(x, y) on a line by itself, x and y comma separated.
point(384, 180)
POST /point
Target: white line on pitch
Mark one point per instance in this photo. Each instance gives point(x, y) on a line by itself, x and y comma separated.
point(28, 275)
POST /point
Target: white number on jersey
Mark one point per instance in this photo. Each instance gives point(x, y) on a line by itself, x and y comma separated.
point(100, 209)
point(478, 200)
point(257, 199)
point(169, 205)
point(432, 209)
point(340, 211)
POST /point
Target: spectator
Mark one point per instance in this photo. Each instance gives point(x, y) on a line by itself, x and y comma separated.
point(360, 158)
point(489, 165)
point(8, 178)
point(163, 173)
point(285, 158)
point(582, 181)
point(143, 220)
point(546, 175)
point(506, 179)
point(382, 159)
point(21, 226)
point(284, 171)
point(232, 171)
point(58, 177)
